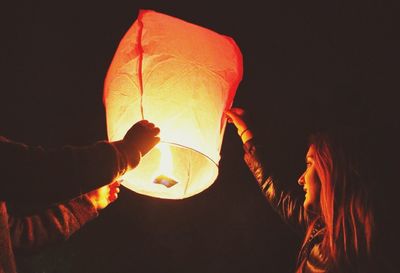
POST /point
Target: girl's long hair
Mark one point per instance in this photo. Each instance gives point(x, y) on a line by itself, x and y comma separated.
point(345, 208)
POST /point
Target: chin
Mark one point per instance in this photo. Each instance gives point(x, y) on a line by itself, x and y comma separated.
point(308, 204)
point(311, 207)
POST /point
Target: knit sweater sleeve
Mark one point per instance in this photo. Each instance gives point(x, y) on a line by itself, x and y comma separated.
point(57, 223)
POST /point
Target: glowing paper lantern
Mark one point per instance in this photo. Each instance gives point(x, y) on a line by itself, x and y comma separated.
point(181, 77)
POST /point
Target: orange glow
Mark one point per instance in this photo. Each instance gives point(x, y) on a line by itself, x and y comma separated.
point(166, 160)
point(181, 77)
point(164, 174)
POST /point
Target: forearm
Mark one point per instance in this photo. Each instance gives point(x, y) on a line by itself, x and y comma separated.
point(32, 173)
point(290, 209)
point(55, 224)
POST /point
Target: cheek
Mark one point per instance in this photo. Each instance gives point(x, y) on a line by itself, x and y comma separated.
point(313, 185)
point(309, 179)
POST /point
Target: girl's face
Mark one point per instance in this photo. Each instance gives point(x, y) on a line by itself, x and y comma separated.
point(310, 182)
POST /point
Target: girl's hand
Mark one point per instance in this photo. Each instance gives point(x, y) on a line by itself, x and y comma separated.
point(105, 195)
point(237, 116)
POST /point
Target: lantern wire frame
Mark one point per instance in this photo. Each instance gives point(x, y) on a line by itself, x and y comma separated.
point(178, 173)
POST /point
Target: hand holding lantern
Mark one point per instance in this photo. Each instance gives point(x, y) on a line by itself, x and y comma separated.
point(102, 197)
point(237, 116)
point(138, 141)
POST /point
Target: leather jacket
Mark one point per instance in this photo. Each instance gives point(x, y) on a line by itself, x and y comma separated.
point(312, 257)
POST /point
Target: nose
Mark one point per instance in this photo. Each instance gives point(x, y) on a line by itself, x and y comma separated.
point(301, 180)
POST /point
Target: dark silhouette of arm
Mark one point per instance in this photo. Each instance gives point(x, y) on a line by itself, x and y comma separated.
point(55, 224)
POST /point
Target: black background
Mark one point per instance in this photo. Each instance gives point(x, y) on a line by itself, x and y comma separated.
point(307, 64)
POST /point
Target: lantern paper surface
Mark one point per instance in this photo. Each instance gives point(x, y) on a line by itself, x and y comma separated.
point(181, 77)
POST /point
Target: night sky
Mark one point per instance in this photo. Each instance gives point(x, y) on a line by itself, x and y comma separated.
point(307, 65)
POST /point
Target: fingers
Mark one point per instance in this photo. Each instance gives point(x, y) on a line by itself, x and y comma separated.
point(115, 184)
point(138, 141)
point(113, 191)
point(232, 116)
point(237, 111)
point(237, 120)
point(228, 115)
point(144, 126)
point(149, 137)
point(145, 129)
point(112, 198)
point(147, 125)
point(235, 114)
point(153, 129)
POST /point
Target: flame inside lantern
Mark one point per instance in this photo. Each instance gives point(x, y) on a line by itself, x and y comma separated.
point(164, 175)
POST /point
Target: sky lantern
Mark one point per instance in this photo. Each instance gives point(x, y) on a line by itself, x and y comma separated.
point(181, 77)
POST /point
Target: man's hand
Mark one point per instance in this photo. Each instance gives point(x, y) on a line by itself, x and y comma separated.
point(143, 135)
point(138, 141)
